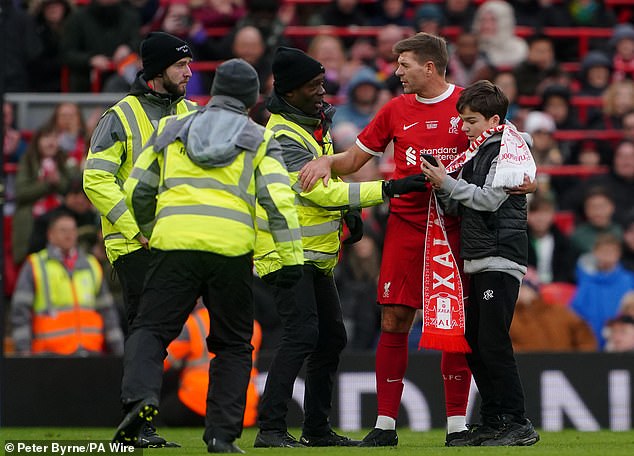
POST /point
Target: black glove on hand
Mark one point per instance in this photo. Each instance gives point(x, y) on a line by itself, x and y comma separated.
point(354, 223)
point(397, 187)
point(288, 276)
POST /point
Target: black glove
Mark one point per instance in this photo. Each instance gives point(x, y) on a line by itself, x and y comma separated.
point(397, 187)
point(355, 225)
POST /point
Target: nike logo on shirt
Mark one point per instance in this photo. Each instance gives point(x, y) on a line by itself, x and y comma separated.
point(407, 127)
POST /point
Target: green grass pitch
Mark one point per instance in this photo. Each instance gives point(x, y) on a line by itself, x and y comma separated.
point(566, 443)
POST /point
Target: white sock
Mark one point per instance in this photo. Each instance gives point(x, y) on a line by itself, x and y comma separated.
point(385, 422)
point(456, 424)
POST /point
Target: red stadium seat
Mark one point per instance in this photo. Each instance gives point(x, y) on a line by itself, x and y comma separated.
point(558, 293)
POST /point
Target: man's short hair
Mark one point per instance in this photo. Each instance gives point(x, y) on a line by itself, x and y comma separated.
point(426, 47)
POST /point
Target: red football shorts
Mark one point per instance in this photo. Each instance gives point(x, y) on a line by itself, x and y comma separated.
point(401, 275)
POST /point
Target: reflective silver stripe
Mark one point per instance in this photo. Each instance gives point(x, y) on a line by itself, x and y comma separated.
point(117, 211)
point(316, 256)
point(208, 211)
point(263, 225)
point(276, 178)
point(23, 296)
point(145, 176)
point(354, 194)
point(52, 334)
point(322, 228)
point(102, 165)
point(245, 178)
point(288, 235)
point(210, 183)
point(45, 284)
point(113, 236)
point(135, 131)
point(309, 146)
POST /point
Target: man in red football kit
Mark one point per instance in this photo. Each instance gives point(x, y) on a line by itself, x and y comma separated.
point(424, 120)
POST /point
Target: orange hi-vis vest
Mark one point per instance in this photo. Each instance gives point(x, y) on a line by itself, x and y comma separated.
point(194, 377)
point(65, 319)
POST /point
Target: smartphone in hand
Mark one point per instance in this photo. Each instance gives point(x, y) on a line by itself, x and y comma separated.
point(430, 158)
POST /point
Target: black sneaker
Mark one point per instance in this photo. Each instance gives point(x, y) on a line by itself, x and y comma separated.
point(220, 446)
point(474, 436)
point(380, 438)
point(514, 434)
point(130, 428)
point(276, 439)
point(149, 438)
point(452, 437)
point(330, 439)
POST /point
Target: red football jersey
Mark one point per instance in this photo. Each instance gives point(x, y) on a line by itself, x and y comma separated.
point(417, 126)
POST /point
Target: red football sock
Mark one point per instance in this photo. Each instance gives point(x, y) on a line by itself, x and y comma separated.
point(457, 379)
point(391, 363)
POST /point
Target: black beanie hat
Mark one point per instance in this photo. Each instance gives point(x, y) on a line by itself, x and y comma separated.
point(238, 79)
point(293, 68)
point(160, 50)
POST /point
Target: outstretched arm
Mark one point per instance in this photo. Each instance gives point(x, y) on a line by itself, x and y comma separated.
point(341, 164)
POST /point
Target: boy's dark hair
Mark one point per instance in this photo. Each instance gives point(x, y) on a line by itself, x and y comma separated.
point(541, 201)
point(426, 47)
point(485, 98)
point(597, 190)
point(57, 214)
point(606, 239)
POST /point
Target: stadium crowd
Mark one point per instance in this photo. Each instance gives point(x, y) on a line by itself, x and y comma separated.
point(577, 104)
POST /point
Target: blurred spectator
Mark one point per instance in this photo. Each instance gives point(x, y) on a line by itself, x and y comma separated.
point(595, 74)
point(541, 327)
point(189, 357)
point(549, 250)
point(590, 13)
point(539, 68)
point(628, 246)
point(386, 60)
point(505, 80)
point(391, 12)
point(18, 30)
point(541, 127)
point(602, 281)
point(363, 95)
point(466, 63)
point(622, 42)
point(61, 304)
point(68, 120)
point(14, 145)
point(77, 204)
point(619, 332)
point(627, 126)
point(340, 13)
point(556, 101)
point(49, 15)
point(618, 99)
point(357, 279)
point(619, 182)
point(100, 36)
point(429, 19)
point(459, 13)
point(494, 24)
point(41, 181)
point(248, 44)
point(218, 13)
point(598, 211)
point(329, 50)
point(626, 307)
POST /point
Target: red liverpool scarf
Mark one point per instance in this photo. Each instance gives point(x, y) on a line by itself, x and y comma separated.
point(443, 302)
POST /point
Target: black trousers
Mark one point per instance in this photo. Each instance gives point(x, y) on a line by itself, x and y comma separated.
point(492, 300)
point(173, 282)
point(131, 269)
point(313, 332)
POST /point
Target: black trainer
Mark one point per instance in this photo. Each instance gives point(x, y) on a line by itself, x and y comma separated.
point(130, 428)
point(514, 434)
point(220, 446)
point(455, 436)
point(149, 438)
point(330, 439)
point(474, 436)
point(380, 438)
point(276, 439)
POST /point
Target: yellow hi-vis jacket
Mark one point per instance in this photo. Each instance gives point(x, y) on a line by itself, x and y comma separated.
point(320, 210)
point(185, 205)
point(108, 167)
